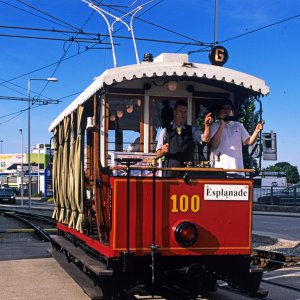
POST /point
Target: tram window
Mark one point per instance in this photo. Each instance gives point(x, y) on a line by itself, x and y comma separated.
point(125, 131)
point(124, 140)
point(201, 110)
point(201, 107)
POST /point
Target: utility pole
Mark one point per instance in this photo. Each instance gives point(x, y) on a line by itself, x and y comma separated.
point(22, 168)
point(29, 159)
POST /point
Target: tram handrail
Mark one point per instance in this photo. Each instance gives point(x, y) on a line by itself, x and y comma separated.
point(187, 169)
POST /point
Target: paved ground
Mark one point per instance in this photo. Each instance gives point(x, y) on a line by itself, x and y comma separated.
point(31, 273)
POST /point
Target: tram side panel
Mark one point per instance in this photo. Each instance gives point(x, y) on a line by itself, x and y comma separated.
point(221, 210)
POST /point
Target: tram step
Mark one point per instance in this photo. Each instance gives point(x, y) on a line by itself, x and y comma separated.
point(90, 263)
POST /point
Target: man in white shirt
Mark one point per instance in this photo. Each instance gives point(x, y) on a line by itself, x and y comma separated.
point(226, 137)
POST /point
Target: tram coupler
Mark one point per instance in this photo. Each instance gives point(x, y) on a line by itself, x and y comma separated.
point(154, 255)
point(127, 261)
point(249, 283)
point(255, 277)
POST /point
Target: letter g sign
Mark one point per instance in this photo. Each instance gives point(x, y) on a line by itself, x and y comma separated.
point(218, 56)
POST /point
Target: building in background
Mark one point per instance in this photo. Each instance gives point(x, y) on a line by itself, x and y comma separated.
point(11, 170)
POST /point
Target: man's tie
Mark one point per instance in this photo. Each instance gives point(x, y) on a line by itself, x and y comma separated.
point(179, 130)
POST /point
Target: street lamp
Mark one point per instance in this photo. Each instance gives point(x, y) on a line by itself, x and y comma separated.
point(51, 79)
point(22, 167)
point(1, 145)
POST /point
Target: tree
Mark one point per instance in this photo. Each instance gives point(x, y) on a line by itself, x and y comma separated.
point(291, 172)
point(249, 118)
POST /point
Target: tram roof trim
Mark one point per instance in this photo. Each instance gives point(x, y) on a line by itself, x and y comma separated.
point(166, 68)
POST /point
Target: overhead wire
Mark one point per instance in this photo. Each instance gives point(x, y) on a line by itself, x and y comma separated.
point(65, 52)
point(80, 32)
point(18, 113)
point(51, 16)
point(41, 68)
point(156, 25)
point(63, 59)
point(4, 116)
point(63, 56)
point(61, 21)
point(85, 40)
point(261, 28)
point(18, 8)
point(57, 65)
point(13, 89)
point(71, 39)
point(249, 32)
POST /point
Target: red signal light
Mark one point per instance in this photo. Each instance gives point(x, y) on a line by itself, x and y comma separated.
point(186, 233)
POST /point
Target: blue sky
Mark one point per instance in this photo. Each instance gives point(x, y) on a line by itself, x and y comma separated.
point(271, 54)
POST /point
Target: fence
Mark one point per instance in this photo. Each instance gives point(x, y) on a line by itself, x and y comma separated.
point(277, 195)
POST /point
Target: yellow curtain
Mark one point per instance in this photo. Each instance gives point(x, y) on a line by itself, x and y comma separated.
point(79, 167)
point(65, 170)
point(59, 164)
point(71, 186)
point(56, 211)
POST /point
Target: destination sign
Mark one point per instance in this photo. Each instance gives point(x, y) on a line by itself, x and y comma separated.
point(226, 192)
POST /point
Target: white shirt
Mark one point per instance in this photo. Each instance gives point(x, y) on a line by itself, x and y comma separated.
point(230, 147)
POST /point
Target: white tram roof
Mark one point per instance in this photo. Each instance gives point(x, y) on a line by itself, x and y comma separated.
point(167, 65)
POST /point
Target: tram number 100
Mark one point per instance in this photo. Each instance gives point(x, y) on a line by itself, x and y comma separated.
point(184, 203)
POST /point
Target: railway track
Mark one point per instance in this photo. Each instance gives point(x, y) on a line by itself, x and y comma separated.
point(39, 227)
point(270, 260)
point(280, 285)
point(26, 224)
point(263, 294)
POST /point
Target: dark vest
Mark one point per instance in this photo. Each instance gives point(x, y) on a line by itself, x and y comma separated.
point(181, 149)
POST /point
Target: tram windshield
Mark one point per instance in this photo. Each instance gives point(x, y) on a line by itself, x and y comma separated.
point(134, 125)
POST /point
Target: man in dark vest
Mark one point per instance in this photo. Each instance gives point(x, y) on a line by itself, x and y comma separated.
point(176, 142)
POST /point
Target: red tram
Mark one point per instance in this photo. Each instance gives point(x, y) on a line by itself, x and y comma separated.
point(117, 216)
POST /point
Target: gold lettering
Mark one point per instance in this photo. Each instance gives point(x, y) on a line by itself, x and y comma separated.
point(219, 55)
point(184, 203)
point(195, 203)
point(174, 203)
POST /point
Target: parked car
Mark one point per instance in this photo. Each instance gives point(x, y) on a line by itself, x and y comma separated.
point(7, 195)
point(283, 197)
point(16, 190)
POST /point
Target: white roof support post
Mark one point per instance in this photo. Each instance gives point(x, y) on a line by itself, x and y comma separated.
point(189, 112)
point(103, 129)
point(146, 123)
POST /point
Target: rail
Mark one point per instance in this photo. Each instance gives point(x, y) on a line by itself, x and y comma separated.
point(25, 217)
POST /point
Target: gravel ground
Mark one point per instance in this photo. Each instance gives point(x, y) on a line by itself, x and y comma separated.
point(277, 245)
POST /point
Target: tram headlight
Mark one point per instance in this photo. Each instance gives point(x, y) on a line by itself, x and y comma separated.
point(186, 233)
